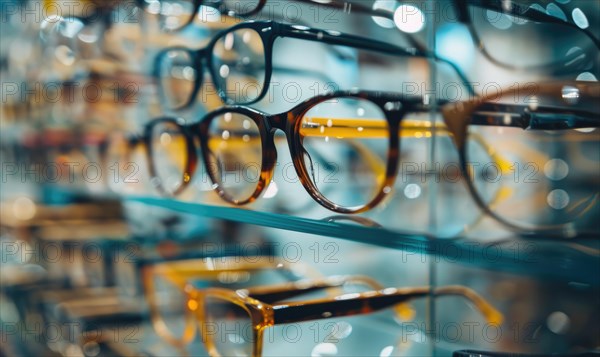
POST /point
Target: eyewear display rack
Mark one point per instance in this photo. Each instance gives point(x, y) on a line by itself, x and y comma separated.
point(496, 261)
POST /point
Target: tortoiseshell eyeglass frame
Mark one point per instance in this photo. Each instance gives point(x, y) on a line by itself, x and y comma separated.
point(457, 119)
point(265, 307)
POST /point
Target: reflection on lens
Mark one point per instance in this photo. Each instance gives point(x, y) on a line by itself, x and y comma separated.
point(541, 176)
point(228, 328)
point(169, 304)
point(235, 155)
point(239, 65)
point(516, 41)
point(346, 143)
point(174, 15)
point(177, 76)
point(169, 156)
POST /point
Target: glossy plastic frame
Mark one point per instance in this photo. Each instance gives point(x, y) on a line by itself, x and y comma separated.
point(266, 307)
point(461, 7)
point(269, 31)
point(457, 119)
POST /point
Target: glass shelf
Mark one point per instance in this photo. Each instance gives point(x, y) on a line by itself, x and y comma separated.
point(574, 260)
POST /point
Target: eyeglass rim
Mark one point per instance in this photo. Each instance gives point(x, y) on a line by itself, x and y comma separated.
point(522, 11)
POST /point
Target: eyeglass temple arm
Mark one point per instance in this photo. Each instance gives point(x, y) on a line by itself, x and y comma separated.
point(543, 118)
point(354, 304)
point(336, 38)
point(272, 294)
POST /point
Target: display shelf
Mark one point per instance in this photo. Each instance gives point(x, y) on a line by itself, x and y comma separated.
point(574, 260)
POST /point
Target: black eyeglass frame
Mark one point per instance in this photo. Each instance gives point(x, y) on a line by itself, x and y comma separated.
point(269, 31)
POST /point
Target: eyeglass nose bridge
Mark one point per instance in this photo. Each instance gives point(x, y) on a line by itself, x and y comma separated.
point(278, 121)
point(270, 126)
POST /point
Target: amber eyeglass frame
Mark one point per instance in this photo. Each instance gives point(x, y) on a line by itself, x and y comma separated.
point(180, 272)
point(266, 306)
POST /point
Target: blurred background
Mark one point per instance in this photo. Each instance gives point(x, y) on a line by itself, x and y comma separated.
point(85, 227)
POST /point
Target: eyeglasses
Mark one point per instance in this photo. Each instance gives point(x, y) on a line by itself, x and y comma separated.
point(172, 147)
point(239, 61)
point(358, 136)
point(251, 311)
point(117, 158)
point(164, 282)
point(538, 38)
